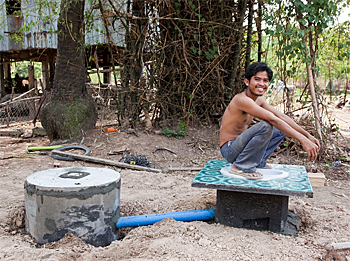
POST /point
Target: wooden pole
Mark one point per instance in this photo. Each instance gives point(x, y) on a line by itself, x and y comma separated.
point(31, 76)
point(104, 161)
point(45, 74)
point(2, 80)
point(97, 67)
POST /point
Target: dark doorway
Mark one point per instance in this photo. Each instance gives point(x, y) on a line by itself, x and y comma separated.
point(13, 7)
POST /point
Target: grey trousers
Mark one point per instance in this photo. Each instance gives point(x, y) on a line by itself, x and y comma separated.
point(252, 148)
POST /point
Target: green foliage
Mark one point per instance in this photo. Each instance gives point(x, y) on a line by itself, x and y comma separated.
point(22, 69)
point(285, 17)
point(303, 32)
point(334, 52)
point(177, 134)
point(211, 51)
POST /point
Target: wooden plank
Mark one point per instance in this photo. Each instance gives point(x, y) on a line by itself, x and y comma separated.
point(12, 132)
point(317, 179)
point(338, 246)
point(104, 161)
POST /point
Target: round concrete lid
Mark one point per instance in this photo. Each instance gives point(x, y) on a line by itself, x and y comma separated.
point(72, 178)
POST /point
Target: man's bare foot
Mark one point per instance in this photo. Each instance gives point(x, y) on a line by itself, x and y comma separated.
point(247, 175)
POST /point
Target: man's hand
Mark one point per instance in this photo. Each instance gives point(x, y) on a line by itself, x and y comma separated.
point(314, 140)
point(312, 147)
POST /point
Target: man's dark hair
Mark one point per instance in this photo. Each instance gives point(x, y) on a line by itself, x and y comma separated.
point(258, 67)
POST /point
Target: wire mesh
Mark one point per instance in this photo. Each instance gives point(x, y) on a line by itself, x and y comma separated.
point(19, 110)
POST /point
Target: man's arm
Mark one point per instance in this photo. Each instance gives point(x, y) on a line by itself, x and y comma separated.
point(290, 122)
point(260, 111)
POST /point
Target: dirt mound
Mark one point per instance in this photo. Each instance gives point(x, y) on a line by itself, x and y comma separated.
point(325, 217)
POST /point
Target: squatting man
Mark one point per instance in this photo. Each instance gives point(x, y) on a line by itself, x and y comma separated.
point(249, 148)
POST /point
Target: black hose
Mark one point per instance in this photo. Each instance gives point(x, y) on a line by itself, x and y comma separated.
point(69, 147)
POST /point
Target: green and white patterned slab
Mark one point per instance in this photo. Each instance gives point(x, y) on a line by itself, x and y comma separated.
point(297, 183)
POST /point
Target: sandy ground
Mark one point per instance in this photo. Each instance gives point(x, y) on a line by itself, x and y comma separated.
point(325, 217)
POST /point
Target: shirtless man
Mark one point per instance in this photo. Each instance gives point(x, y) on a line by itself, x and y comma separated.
point(249, 148)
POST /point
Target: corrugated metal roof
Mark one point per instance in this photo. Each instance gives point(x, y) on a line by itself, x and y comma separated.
point(41, 34)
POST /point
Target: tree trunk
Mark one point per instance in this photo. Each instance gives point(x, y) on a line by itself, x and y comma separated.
point(249, 33)
point(239, 35)
point(70, 111)
point(258, 26)
point(136, 27)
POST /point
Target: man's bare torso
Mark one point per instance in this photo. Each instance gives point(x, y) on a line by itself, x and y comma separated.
point(235, 121)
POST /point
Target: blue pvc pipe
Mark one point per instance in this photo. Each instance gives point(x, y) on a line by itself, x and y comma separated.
point(145, 220)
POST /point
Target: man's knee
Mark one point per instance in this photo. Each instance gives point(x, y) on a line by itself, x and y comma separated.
point(266, 127)
point(279, 134)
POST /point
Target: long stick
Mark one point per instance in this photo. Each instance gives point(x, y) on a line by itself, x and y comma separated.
point(16, 98)
point(104, 161)
point(185, 169)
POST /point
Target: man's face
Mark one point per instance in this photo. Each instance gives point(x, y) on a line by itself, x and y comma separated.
point(258, 84)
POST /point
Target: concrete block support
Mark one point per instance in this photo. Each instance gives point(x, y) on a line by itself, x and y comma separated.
point(251, 210)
